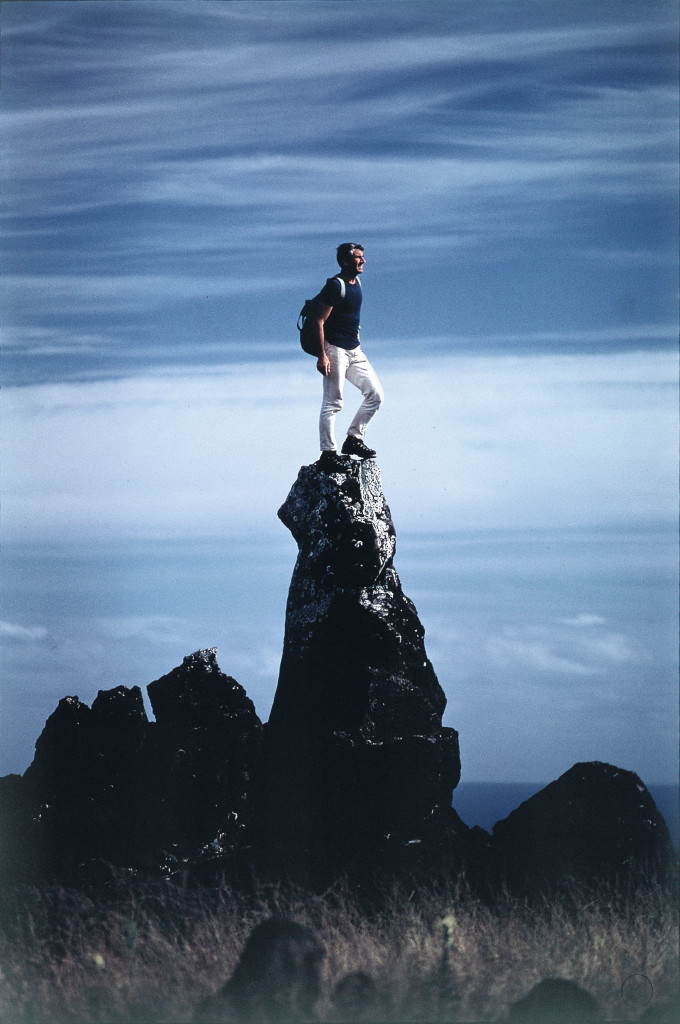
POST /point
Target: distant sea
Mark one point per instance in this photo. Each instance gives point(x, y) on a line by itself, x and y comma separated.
point(485, 803)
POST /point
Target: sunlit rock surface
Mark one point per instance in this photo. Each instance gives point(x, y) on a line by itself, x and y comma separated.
point(354, 656)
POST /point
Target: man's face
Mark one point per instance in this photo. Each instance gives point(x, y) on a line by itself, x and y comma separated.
point(355, 263)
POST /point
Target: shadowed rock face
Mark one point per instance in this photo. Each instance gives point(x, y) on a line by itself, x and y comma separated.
point(108, 784)
point(198, 695)
point(83, 783)
point(201, 755)
point(356, 751)
point(595, 823)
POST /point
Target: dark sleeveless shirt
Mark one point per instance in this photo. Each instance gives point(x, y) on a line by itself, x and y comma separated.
point(342, 326)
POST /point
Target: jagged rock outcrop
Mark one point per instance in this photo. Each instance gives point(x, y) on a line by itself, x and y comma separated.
point(107, 784)
point(354, 772)
point(595, 823)
point(357, 760)
point(82, 783)
point(202, 752)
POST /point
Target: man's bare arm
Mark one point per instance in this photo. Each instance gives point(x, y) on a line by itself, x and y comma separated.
point(322, 313)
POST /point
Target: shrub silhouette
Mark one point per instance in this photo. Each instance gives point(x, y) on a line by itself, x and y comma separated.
point(276, 980)
point(556, 1001)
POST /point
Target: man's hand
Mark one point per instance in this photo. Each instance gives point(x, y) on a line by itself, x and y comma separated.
point(323, 364)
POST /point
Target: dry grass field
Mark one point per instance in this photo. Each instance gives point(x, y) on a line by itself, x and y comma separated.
point(146, 953)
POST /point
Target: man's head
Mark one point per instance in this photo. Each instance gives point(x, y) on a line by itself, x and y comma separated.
point(351, 256)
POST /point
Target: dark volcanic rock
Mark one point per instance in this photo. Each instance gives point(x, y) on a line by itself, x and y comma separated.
point(202, 753)
point(71, 808)
point(63, 751)
point(107, 784)
point(18, 854)
point(595, 823)
point(197, 695)
point(356, 755)
point(354, 772)
point(354, 655)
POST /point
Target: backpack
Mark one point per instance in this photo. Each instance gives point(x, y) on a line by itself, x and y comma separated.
point(305, 323)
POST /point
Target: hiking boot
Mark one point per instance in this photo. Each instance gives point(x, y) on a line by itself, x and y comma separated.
point(331, 462)
point(355, 446)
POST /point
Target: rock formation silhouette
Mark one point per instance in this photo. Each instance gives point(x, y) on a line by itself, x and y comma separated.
point(353, 773)
point(358, 766)
point(204, 749)
point(596, 823)
point(107, 784)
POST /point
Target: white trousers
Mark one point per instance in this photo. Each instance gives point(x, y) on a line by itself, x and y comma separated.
point(351, 365)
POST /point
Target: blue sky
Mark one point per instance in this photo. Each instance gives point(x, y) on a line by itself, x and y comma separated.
point(176, 177)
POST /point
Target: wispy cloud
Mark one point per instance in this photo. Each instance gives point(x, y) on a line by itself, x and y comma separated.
point(584, 619)
point(524, 441)
point(164, 165)
point(23, 634)
point(557, 650)
point(594, 340)
point(157, 629)
point(131, 107)
point(131, 292)
point(535, 654)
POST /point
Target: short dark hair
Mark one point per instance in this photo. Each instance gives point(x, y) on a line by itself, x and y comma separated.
point(346, 250)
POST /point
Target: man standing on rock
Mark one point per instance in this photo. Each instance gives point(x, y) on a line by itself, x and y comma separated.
point(336, 327)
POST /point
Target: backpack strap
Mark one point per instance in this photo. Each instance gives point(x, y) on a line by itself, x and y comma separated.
point(341, 280)
point(342, 284)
